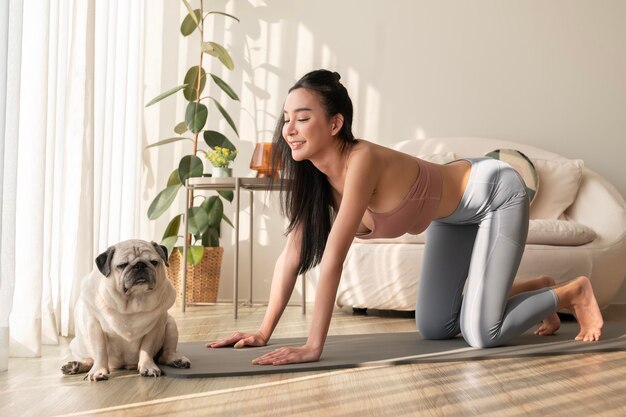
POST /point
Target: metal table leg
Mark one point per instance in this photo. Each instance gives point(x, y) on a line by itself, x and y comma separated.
point(184, 260)
point(251, 242)
point(236, 266)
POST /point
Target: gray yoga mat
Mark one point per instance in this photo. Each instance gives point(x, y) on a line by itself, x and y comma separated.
point(358, 350)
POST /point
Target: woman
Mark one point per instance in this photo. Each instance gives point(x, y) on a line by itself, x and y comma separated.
point(477, 210)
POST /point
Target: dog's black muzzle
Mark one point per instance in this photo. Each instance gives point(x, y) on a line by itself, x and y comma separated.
point(140, 274)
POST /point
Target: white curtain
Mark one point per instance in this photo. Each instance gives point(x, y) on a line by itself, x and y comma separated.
point(71, 99)
point(8, 150)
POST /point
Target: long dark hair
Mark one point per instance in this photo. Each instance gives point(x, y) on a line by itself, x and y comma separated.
point(307, 198)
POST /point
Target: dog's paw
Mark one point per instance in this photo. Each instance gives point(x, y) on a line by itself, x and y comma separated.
point(181, 362)
point(71, 368)
point(97, 375)
point(149, 370)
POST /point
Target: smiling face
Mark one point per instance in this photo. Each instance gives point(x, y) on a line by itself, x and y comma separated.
point(308, 130)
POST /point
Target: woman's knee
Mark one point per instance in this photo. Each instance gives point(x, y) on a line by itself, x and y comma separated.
point(481, 335)
point(482, 342)
point(433, 329)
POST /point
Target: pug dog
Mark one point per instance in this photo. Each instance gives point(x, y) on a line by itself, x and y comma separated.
point(121, 317)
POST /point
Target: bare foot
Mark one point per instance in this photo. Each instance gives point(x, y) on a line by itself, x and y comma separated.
point(550, 324)
point(577, 296)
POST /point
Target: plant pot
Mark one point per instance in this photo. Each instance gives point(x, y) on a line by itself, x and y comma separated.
point(202, 279)
point(221, 172)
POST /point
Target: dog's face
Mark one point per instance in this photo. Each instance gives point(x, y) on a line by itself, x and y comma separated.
point(135, 266)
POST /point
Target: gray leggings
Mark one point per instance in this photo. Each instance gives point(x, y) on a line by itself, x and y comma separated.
point(479, 247)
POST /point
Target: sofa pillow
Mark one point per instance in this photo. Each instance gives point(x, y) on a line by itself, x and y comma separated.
point(523, 165)
point(559, 233)
point(560, 180)
point(438, 158)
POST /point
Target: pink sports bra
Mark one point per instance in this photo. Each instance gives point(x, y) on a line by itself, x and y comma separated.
point(415, 212)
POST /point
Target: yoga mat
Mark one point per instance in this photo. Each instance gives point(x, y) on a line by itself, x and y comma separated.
point(359, 350)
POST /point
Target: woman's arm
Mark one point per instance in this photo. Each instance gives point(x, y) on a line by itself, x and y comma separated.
point(283, 282)
point(361, 177)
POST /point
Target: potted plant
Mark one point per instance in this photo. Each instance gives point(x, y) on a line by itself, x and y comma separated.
point(221, 158)
point(205, 213)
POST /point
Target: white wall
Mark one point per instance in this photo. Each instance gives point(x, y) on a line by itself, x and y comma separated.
point(546, 73)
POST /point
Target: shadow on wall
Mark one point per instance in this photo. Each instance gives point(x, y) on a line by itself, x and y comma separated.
point(281, 41)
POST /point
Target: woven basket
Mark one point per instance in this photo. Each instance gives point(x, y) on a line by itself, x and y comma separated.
point(203, 279)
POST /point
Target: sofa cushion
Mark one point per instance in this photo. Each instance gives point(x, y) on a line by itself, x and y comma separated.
point(405, 238)
point(559, 233)
point(559, 183)
point(540, 232)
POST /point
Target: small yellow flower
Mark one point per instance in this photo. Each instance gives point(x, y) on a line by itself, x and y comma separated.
point(221, 157)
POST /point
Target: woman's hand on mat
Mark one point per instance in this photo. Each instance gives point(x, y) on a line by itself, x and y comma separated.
point(239, 340)
point(287, 355)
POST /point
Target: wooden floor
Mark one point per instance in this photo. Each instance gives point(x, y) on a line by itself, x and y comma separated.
point(568, 385)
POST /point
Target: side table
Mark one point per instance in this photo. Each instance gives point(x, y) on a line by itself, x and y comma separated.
point(232, 183)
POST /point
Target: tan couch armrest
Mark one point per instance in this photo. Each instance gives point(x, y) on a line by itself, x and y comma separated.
point(601, 207)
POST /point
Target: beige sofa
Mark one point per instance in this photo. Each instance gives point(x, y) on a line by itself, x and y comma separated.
point(577, 227)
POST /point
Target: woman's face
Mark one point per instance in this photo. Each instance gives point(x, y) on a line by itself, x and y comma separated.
point(307, 128)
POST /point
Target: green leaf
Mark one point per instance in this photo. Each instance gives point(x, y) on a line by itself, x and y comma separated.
point(224, 86)
point(195, 254)
point(180, 128)
point(166, 94)
point(216, 212)
point(191, 22)
point(207, 48)
point(191, 82)
point(198, 221)
point(190, 166)
point(169, 140)
point(226, 115)
point(214, 208)
point(217, 50)
point(229, 195)
point(227, 220)
point(211, 237)
point(207, 205)
point(195, 116)
point(205, 238)
point(169, 243)
point(224, 14)
point(174, 179)
point(213, 139)
point(162, 201)
point(172, 228)
point(188, 6)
